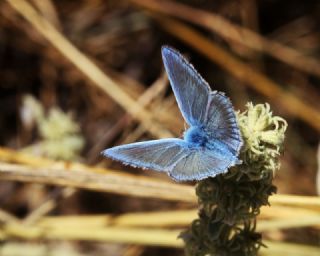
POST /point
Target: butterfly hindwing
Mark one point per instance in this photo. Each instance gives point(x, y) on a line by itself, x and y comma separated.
point(200, 164)
point(190, 89)
point(221, 122)
point(159, 155)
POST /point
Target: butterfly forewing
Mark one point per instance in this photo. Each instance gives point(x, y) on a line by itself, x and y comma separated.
point(159, 155)
point(190, 89)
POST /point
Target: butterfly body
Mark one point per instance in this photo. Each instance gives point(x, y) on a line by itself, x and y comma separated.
point(196, 136)
point(209, 146)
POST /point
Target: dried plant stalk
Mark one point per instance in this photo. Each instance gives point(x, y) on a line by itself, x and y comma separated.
point(105, 181)
point(147, 237)
point(183, 193)
point(236, 33)
point(88, 68)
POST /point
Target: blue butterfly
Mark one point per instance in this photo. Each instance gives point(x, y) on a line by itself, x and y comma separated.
point(211, 144)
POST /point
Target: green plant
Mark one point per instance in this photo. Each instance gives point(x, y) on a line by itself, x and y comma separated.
point(230, 203)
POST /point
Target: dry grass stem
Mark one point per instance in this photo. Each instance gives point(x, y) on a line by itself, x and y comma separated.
point(138, 236)
point(289, 223)
point(302, 201)
point(280, 249)
point(105, 180)
point(127, 228)
point(47, 8)
point(36, 169)
point(289, 219)
point(7, 217)
point(87, 67)
point(153, 237)
point(236, 33)
point(276, 213)
point(108, 181)
point(290, 211)
point(144, 219)
point(47, 206)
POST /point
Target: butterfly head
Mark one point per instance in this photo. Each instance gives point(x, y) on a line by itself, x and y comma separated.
point(196, 136)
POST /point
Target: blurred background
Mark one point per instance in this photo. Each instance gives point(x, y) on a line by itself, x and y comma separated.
point(72, 73)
